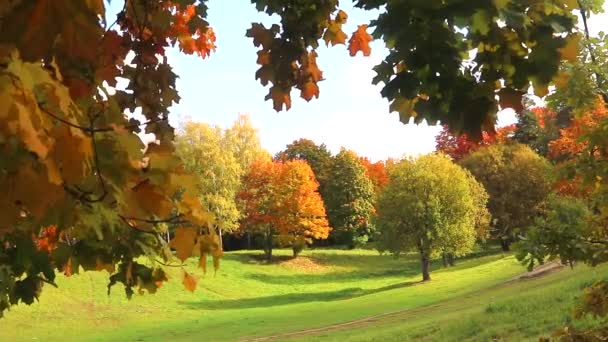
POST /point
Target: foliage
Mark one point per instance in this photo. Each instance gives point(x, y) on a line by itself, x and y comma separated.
point(349, 200)
point(459, 146)
point(303, 215)
point(282, 204)
point(243, 141)
point(204, 151)
point(376, 172)
point(429, 206)
point(537, 127)
point(317, 156)
point(67, 134)
point(557, 232)
point(516, 180)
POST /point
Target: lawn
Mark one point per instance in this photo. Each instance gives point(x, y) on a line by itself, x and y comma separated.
point(248, 298)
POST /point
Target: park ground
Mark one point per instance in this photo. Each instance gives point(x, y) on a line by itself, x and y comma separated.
point(326, 295)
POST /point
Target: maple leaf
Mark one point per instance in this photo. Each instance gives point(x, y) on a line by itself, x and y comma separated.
point(509, 98)
point(261, 35)
point(183, 242)
point(359, 41)
point(189, 281)
point(334, 34)
point(569, 51)
point(309, 90)
point(280, 97)
point(148, 197)
point(73, 152)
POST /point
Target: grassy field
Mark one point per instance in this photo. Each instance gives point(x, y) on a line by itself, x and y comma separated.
point(248, 298)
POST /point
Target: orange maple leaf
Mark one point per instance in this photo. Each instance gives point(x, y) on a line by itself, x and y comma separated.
point(359, 41)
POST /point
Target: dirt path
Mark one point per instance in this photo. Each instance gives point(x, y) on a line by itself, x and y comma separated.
point(405, 313)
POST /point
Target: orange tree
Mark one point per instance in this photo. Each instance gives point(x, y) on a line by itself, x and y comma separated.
point(67, 134)
point(281, 203)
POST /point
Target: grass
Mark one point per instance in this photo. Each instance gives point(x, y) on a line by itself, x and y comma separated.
point(248, 298)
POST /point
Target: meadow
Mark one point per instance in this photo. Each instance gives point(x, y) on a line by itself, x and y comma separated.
point(478, 299)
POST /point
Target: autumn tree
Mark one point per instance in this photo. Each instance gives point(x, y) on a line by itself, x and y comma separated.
point(376, 172)
point(204, 151)
point(302, 214)
point(459, 146)
point(282, 205)
point(317, 156)
point(71, 154)
point(243, 141)
point(349, 200)
point(260, 207)
point(428, 206)
point(517, 182)
point(537, 127)
point(69, 133)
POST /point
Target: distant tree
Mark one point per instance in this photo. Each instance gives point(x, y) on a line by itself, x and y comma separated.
point(202, 148)
point(282, 204)
point(376, 172)
point(516, 179)
point(243, 141)
point(317, 156)
point(537, 127)
point(349, 200)
point(258, 200)
point(428, 206)
point(302, 214)
point(459, 146)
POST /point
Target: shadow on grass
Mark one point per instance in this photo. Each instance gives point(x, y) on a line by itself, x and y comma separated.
point(290, 298)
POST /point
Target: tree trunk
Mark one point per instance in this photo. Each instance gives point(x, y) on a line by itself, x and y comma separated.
point(219, 230)
point(248, 240)
point(451, 259)
point(444, 258)
point(505, 244)
point(425, 262)
point(295, 252)
point(268, 245)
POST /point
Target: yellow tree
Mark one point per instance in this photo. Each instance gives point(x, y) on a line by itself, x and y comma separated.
point(303, 217)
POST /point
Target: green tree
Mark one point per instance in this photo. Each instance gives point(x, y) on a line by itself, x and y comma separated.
point(557, 233)
point(517, 181)
point(428, 206)
point(349, 200)
point(203, 150)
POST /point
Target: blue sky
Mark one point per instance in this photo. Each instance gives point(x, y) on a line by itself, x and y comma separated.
point(349, 112)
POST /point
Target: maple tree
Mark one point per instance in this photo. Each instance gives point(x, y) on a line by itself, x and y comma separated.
point(303, 214)
point(281, 203)
point(430, 207)
point(72, 158)
point(317, 156)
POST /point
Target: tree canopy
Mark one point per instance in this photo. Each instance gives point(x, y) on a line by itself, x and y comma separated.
point(432, 206)
point(516, 181)
point(349, 200)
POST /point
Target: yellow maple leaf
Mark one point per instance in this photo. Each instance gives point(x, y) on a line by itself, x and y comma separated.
point(183, 242)
point(189, 281)
point(569, 51)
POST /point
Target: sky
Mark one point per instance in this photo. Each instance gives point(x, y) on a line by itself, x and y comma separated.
point(350, 111)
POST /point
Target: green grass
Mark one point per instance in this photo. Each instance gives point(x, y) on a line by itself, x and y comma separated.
point(248, 298)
